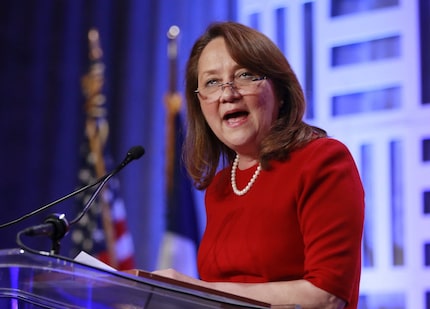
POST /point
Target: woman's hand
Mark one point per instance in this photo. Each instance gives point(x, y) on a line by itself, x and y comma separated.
point(299, 292)
point(173, 274)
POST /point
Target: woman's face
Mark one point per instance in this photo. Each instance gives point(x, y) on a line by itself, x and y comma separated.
point(240, 116)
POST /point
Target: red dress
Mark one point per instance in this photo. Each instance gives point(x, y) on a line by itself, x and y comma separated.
point(301, 220)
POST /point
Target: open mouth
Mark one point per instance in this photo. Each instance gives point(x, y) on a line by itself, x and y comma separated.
point(234, 115)
point(236, 118)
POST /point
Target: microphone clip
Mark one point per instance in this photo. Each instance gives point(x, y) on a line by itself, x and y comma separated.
point(55, 226)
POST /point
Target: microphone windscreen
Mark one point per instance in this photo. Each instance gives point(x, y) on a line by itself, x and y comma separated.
point(136, 152)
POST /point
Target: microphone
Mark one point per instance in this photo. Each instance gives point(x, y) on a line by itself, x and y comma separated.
point(133, 154)
point(56, 226)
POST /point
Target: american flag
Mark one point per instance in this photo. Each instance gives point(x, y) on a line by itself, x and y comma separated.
point(102, 231)
point(102, 235)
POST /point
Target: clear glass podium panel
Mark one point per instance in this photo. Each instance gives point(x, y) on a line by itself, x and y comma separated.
point(30, 280)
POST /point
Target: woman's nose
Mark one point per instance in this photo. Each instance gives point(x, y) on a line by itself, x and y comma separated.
point(228, 92)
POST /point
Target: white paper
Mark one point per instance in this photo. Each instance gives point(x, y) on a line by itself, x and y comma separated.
point(87, 259)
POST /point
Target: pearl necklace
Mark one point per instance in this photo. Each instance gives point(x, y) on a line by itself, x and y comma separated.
point(233, 178)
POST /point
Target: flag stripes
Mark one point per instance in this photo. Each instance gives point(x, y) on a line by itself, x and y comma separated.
point(89, 234)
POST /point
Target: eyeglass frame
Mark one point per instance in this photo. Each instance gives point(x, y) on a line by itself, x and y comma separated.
point(231, 84)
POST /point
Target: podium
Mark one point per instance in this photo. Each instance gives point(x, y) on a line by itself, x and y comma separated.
point(29, 280)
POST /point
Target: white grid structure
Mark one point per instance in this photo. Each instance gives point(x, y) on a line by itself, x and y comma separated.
point(386, 142)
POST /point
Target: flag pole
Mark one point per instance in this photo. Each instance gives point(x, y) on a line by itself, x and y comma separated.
point(172, 100)
point(173, 103)
point(97, 130)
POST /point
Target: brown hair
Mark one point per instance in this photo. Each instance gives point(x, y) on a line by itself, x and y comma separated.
point(256, 52)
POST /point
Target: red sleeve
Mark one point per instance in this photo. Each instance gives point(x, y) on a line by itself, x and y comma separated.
point(331, 218)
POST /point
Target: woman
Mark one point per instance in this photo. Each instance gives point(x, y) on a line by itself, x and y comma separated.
point(284, 202)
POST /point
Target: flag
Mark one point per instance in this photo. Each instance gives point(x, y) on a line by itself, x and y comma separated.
point(102, 231)
point(182, 236)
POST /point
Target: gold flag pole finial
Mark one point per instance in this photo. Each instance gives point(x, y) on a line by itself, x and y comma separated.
point(96, 52)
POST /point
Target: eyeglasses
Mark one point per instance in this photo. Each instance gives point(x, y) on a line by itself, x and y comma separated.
point(244, 82)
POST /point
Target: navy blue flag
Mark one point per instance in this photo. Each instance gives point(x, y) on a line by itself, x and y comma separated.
point(182, 236)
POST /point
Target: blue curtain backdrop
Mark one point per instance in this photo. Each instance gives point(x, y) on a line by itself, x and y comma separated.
point(43, 55)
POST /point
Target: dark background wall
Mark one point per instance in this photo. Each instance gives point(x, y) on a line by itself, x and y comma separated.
point(43, 56)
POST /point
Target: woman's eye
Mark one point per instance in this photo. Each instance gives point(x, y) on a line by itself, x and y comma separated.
point(212, 83)
point(245, 75)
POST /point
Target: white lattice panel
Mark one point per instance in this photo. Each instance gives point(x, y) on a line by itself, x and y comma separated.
point(408, 125)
